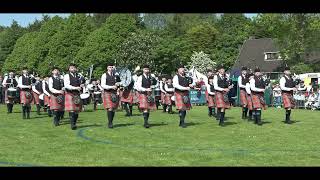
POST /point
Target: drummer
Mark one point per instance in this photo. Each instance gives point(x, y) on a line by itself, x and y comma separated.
point(163, 93)
point(95, 90)
point(168, 87)
point(10, 81)
point(36, 91)
point(24, 83)
point(47, 94)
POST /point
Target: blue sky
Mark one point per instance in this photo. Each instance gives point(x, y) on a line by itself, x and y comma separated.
point(25, 19)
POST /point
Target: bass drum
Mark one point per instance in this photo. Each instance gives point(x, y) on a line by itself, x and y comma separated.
point(85, 97)
point(125, 76)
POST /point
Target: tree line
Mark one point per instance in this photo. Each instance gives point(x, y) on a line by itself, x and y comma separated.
point(160, 40)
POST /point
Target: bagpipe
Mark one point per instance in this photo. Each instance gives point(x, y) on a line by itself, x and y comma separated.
point(151, 95)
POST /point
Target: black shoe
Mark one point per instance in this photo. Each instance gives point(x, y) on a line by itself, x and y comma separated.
point(73, 127)
point(146, 125)
point(183, 125)
point(110, 125)
point(56, 123)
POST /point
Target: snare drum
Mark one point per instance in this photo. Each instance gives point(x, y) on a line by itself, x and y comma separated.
point(157, 92)
point(12, 93)
point(85, 98)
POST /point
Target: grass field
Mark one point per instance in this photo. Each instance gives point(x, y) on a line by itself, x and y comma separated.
point(36, 142)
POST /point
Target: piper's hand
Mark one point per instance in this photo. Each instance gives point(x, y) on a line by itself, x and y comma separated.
point(79, 88)
point(61, 91)
point(191, 86)
point(114, 87)
point(81, 85)
point(148, 89)
point(29, 87)
point(226, 90)
point(295, 89)
point(188, 88)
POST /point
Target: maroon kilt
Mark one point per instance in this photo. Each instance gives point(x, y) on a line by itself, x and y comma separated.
point(69, 105)
point(179, 100)
point(126, 96)
point(249, 102)
point(144, 104)
point(211, 102)
point(135, 97)
point(167, 98)
point(243, 98)
point(36, 99)
point(46, 100)
point(163, 101)
point(107, 102)
point(256, 102)
point(288, 101)
point(23, 98)
point(8, 100)
point(207, 96)
point(54, 105)
point(220, 103)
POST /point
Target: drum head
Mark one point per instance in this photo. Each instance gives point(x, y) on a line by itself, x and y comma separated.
point(41, 96)
point(12, 89)
point(97, 93)
point(173, 98)
point(84, 96)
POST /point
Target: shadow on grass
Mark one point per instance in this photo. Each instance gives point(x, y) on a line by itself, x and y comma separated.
point(266, 122)
point(158, 124)
point(192, 124)
point(229, 123)
point(122, 125)
point(292, 122)
point(90, 125)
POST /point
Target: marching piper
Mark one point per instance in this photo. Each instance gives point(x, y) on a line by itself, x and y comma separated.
point(73, 85)
point(211, 111)
point(182, 85)
point(257, 87)
point(168, 87)
point(242, 81)
point(56, 88)
point(10, 82)
point(248, 94)
point(146, 100)
point(288, 86)
point(24, 83)
point(110, 99)
point(221, 86)
point(37, 90)
point(96, 91)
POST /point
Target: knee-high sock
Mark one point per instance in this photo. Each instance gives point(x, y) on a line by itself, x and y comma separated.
point(126, 108)
point(222, 117)
point(146, 117)
point(288, 113)
point(130, 107)
point(209, 111)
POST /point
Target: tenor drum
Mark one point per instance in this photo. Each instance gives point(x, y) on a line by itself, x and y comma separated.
point(85, 98)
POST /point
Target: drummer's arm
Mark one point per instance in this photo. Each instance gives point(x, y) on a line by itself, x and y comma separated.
point(4, 81)
point(44, 88)
point(51, 87)
point(35, 90)
point(168, 89)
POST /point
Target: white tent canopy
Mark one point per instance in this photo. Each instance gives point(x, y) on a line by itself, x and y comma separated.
point(196, 75)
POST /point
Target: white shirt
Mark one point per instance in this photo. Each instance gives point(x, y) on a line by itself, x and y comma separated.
point(209, 90)
point(282, 84)
point(276, 92)
point(139, 83)
point(103, 82)
point(66, 81)
point(20, 85)
point(168, 89)
point(44, 88)
point(248, 90)
point(34, 88)
point(50, 83)
point(240, 82)
point(5, 80)
point(175, 83)
point(161, 87)
point(215, 82)
point(253, 86)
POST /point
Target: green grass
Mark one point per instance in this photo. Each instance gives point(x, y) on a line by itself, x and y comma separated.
point(36, 142)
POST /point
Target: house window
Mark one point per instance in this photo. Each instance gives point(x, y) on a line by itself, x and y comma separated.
point(272, 56)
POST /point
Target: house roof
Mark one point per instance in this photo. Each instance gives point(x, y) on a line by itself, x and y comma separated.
point(252, 55)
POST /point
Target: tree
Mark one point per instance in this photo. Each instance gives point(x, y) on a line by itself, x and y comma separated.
point(103, 43)
point(137, 50)
point(201, 61)
point(36, 25)
point(66, 43)
point(8, 38)
point(301, 68)
point(100, 18)
point(155, 21)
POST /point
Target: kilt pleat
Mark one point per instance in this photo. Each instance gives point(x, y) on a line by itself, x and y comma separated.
point(167, 99)
point(180, 105)
point(144, 104)
point(126, 96)
point(107, 102)
point(249, 100)
point(211, 101)
point(220, 103)
point(36, 99)
point(163, 101)
point(288, 101)
point(24, 99)
point(54, 105)
point(243, 98)
point(257, 102)
point(46, 100)
point(69, 104)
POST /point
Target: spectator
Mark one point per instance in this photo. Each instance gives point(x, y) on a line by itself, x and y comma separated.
point(277, 96)
point(1, 91)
